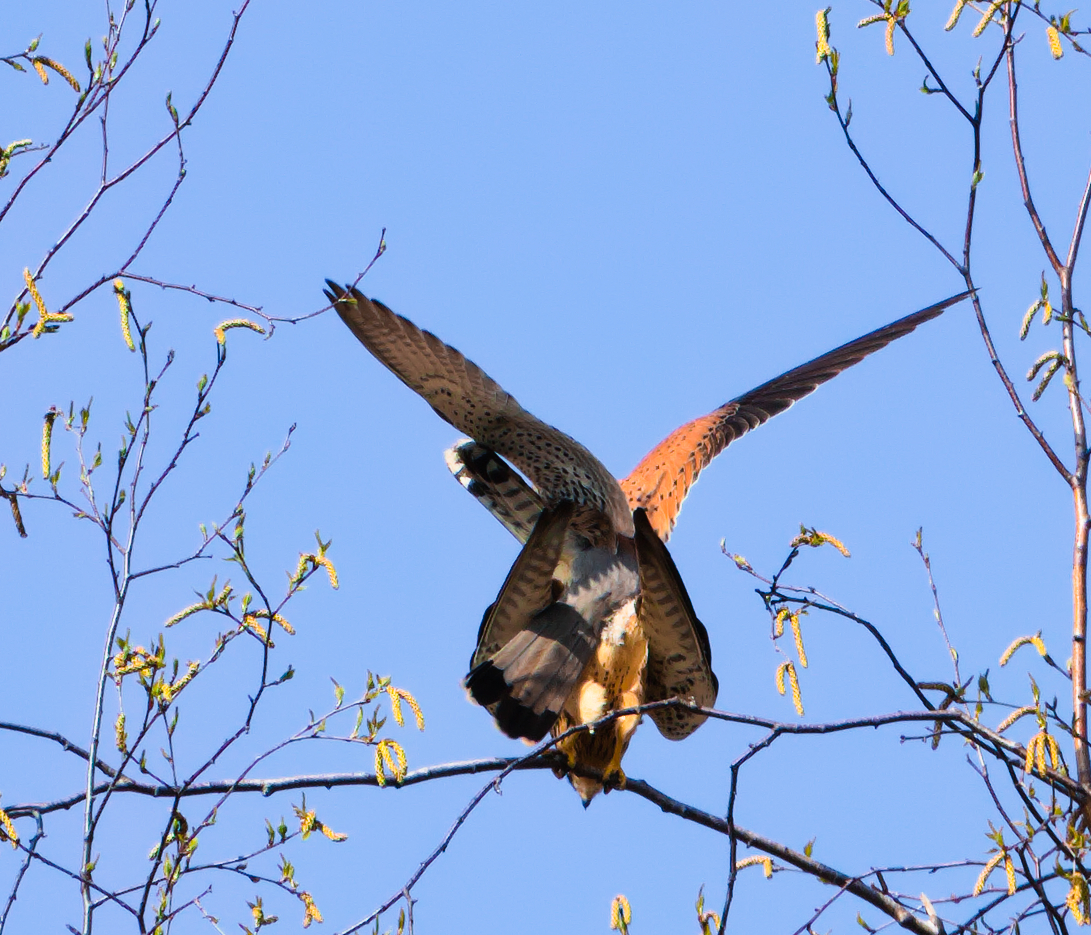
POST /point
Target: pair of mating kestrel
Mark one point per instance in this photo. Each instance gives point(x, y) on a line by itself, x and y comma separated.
point(593, 616)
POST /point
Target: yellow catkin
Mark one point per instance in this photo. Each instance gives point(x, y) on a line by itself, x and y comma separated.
point(310, 910)
point(330, 570)
point(1054, 38)
point(822, 27)
point(1054, 752)
point(47, 441)
point(170, 692)
point(224, 326)
point(952, 20)
point(798, 634)
point(781, 669)
point(276, 618)
point(835, 542)
point(392, 746)
point(308, 821)
point(778, 623)
point(251, 625)
point(40, 69)
point(987, 18)
point(797, 699)
point(397, 696)
point(124, 304)
point(44, 316)
point(395, 705)
point(1009, 869)
point(335, 836)
point(418, 714)
point(1037, 747)
point(382, 759)
point(1028, 763)
point(1077, 898)
point(51, 320)
point(890, 24)
point(989, 867)
point(389, 755)
point(60, 70)
point(301, 569)
point(121, 739)
point(1014, 716)
point(188, 612)
point(1005, 657)
point(7, 827)
point(137, 660)
point(766, 864)
point(32, 288)
point(1035, 641)
point(621, 913)
point(1028, 319)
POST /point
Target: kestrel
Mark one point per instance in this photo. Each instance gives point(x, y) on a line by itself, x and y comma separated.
point(593, 616)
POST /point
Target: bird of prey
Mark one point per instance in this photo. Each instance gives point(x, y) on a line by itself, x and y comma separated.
point(593, 617)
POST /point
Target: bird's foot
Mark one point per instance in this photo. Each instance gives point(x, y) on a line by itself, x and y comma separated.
point(613, 778)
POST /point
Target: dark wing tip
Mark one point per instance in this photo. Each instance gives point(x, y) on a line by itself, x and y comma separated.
point(774, 396)
point(485, 683)
point(518, 721)
point(334, 292)
point(905, 325)
point(488, 687)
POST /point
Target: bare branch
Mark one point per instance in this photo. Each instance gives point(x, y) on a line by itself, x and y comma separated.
point(1020, 163)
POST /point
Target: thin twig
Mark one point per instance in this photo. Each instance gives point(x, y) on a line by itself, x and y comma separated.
point(31, 853)
point(884, 903)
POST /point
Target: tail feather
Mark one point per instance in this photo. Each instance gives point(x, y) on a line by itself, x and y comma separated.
point(528, 681)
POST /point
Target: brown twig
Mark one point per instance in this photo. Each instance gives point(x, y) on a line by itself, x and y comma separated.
point(1077, 478)
point(884, 903)
point(31, 853)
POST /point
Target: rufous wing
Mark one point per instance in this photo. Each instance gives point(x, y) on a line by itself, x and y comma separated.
point(679, 654)
point(464, 395)
point(661, 481)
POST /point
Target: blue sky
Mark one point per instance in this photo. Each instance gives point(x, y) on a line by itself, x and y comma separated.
point(627, 214)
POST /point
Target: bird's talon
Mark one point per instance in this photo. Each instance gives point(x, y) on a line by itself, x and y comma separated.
point(613, 779)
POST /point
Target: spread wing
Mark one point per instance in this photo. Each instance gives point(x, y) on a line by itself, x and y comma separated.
point(496, 486)
point(531, 649)
point(528, 588)
point(661, 481)
point(679, 654)
point(464, 395)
